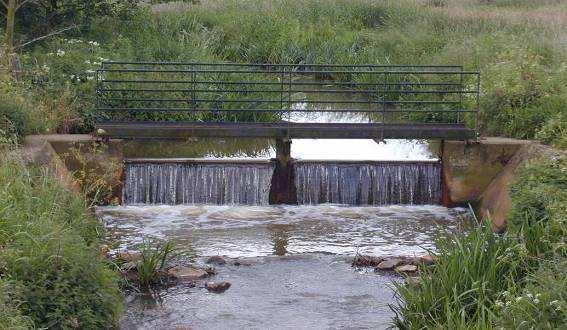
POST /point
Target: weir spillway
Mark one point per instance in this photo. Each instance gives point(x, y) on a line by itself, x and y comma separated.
point(250, 182)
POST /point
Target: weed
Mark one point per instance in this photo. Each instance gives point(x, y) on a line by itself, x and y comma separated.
point(153, 260)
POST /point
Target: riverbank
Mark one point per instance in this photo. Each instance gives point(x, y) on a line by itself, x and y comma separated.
point(514, 280)
point(52, 272)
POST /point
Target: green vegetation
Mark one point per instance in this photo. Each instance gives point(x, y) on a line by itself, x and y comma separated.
point(516, 280)
point(53, 274)
point(153, 260)
point(51, 271)
point(516, 44)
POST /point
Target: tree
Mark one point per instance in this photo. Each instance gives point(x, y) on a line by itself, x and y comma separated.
point(12, 6)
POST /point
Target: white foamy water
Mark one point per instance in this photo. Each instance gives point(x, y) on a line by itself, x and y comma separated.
point(253, 231)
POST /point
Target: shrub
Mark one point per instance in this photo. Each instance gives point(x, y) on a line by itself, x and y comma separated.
point(539, 207)
point(51, 252)
point(10, 316)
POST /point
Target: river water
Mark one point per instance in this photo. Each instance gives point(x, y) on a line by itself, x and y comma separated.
point(298, 273)
point(295, 270)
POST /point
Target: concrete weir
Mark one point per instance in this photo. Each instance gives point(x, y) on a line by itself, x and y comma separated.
point(479, 172)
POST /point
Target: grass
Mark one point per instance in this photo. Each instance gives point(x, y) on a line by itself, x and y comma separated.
point(50, 260)
point(153, 260)
point(482, 280)
point(518, 45)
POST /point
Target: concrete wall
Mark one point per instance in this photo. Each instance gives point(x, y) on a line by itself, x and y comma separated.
point(481, 173)
point(59, 154)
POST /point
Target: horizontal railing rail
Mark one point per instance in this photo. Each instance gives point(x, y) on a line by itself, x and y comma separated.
point(286, 93)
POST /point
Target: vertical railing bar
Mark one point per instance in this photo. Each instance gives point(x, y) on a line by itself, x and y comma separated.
point(477, 102)
point(193, 87)
point(282, 78)
point(385, 78)
point(289, 97)
point(460, 99)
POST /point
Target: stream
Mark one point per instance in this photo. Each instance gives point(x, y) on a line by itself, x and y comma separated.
point(293, 262)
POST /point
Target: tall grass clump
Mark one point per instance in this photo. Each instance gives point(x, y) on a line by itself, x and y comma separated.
point(460, 290)
point(151, 268)
point(515, 280)
point(50, 253)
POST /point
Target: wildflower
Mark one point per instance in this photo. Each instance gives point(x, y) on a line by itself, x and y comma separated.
point(60, 52)
point(90, 71)
point(90, 77)
point(536, 301)
point(87, 62)
point(499, 303)
point(554, 302)
point(93, 43)
point(529, 295)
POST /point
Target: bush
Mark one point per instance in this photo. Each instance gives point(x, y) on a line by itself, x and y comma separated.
point(51, 253)
point(539, 207)
point(13, 117)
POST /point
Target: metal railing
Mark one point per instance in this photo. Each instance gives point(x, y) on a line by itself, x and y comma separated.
point(228, 92)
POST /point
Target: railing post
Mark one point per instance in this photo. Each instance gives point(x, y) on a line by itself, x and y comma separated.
point(193, 89)
point(461, 90)
point(289, 97)
point(477, 110)
point(385, 87)
point(282, 78)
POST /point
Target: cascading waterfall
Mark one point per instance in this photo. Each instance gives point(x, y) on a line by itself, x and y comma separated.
point(197, 183)
point(368, 183)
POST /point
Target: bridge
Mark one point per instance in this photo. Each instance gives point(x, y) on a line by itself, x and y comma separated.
point(181, 100)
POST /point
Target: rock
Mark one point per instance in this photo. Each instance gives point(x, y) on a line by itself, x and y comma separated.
point(216, 260)
point(127, 256)
point(366, 261)
point(105, 251)
point(128, 266)
point(210, 270)
point(406, 269)
point(243, 263)
point(187, 273)
point(428, 259)
point(389, 264)
point(413, 281)
point(217, 287)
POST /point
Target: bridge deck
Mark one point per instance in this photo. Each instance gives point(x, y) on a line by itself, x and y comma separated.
point(169, 130)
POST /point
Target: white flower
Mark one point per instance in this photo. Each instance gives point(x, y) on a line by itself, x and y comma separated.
point(536, 301)
point(49, 54)
point(90, 71)
point(499, 303)
point(90, 77)
point(93, 43)
point(554, 302)
point(529, 295)
point(60, 52)
point(87, 62)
